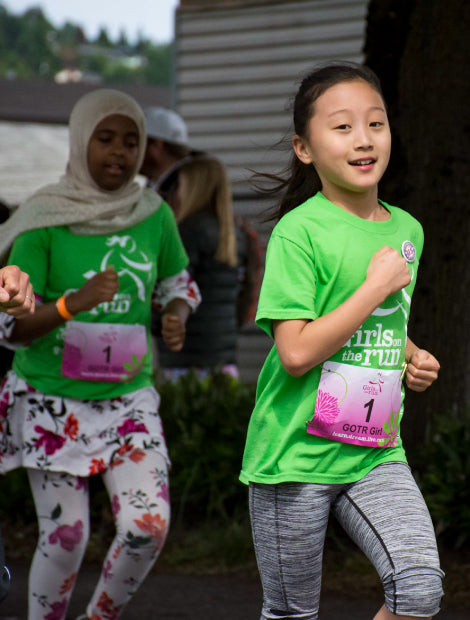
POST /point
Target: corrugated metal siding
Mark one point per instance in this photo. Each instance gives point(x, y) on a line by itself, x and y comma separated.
point(236, 70)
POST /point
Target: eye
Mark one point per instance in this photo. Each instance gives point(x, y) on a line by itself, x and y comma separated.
point(343, 126)
point(377, 124)
point(131, 141)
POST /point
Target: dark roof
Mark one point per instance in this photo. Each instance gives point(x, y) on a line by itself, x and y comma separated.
point(47, 102)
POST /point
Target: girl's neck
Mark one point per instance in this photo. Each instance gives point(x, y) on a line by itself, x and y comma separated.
point(363, 205)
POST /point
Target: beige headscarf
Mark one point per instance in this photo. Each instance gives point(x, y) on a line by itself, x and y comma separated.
point(76, 200)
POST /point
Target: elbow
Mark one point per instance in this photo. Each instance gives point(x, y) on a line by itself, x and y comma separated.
point(295, 364)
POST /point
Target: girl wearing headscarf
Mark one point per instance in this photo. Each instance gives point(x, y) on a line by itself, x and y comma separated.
point(80, 398)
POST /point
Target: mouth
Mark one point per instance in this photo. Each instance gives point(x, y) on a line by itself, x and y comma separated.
point(365, 163)
point(115, 169)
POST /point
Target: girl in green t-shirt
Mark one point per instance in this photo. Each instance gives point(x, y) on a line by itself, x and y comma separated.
point(324, 435)
point(80, 399)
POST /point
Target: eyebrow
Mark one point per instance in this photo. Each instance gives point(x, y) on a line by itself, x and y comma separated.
point(372, 109)
point(112, 131)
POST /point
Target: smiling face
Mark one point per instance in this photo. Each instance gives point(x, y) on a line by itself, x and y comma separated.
point(112, 152)
point(347, 140)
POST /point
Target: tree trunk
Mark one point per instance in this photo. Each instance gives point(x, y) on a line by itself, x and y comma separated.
point(430, 177)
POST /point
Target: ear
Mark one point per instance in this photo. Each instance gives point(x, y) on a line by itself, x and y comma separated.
point(301, 149)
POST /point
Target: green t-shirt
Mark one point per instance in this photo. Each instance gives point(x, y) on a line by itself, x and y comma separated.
point(317, 258)
point(59, 262)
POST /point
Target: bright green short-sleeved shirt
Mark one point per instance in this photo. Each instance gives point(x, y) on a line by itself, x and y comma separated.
point(59, 262)
point(317, 258)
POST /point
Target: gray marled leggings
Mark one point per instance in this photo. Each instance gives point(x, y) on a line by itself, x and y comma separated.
point(385, 515)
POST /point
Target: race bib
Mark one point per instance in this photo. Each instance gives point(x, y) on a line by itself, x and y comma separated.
point(103, 351)
point(358, 405)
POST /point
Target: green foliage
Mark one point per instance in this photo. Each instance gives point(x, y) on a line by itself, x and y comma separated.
point(158, 69)
point(211, 547)
point(442, 468)
point(30, 46)
point(25, 46)
point(17, 502)
point(103, 38)
point(95, 63)
point(205, 425)
point(69, 35)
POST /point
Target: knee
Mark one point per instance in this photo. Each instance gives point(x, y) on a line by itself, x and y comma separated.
point(415, 592)
point(66, 542)
point(143, 531)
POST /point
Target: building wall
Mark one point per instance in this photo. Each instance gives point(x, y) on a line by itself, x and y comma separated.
point(237, 64)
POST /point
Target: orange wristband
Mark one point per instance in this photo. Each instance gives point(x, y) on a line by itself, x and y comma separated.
point(62, 309)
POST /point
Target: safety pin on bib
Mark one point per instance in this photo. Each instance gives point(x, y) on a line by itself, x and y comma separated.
point(405, 366)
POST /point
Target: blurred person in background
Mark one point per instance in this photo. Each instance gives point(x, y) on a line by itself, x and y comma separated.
point(167, 147)
point(216, 248)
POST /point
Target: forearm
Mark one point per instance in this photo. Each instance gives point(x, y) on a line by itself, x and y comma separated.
point(44, 320)
point(178, 307)
point(98, 289)
point(303, 344)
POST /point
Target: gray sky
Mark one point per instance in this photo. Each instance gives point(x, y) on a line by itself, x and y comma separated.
point(153, 18)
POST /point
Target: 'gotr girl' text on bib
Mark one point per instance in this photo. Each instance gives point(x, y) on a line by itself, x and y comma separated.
point(358, 405)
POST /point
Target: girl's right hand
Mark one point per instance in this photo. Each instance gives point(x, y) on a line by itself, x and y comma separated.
point(388, 271)
point(98, 289)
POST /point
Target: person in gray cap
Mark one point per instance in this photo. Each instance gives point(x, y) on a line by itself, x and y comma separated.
point(167, 147)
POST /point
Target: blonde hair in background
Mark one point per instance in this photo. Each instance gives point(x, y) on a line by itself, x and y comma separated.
point(208, 189)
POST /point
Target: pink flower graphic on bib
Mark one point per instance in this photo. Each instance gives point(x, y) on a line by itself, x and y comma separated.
point(109, 337)
point(326, 410)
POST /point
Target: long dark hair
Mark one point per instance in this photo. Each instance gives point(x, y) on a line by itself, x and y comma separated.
point(300, 181)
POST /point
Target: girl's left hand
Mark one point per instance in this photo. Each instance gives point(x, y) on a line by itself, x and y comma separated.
point(422, 370)
point(173, 331)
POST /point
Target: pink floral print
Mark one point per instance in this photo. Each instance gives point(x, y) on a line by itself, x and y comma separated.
point(55, 428)
point(67, 535)
point(129, 426)
point(57, 610)
point(50, 441)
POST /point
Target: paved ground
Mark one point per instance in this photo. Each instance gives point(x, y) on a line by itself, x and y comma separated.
point(183, 597)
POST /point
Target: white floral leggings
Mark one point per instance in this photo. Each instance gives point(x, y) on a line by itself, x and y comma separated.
point(138, 490)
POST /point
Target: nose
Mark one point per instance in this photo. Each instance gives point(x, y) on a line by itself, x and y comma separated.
point(118, 146)
point(363, 138)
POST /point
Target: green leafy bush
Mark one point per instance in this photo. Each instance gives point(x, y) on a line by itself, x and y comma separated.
point(205, 425)
point(442, 468)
